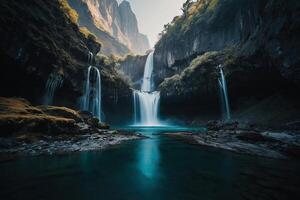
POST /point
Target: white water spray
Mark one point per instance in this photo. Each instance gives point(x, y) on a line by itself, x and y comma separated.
point(147, 79)
point(224, 93)
point(146, 101)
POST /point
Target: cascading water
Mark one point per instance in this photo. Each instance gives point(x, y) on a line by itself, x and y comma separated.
point(146, 101)
point(224, 94)
point(147, 79)
point(54, 82)
point(91, 101)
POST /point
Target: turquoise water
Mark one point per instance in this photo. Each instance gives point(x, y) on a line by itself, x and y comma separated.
point(155, 168)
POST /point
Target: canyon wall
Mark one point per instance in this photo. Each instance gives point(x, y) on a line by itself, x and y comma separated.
point(256, 42)
point(114, 25)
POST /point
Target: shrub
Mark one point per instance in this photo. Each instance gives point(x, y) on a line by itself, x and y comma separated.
point(71, 13)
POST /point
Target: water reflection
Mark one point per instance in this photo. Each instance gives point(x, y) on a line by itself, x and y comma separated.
point(149, 156)
point(155, 168)
point(148, 152)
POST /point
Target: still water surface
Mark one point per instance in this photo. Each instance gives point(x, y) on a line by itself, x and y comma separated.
point(155, 168)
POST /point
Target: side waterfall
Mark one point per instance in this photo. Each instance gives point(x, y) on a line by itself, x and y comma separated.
point(91, 101)
point(224, 94)
point(146, 101)
point(54, 82)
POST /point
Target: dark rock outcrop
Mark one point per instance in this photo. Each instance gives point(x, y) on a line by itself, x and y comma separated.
point(37, 39)
point(133, 67)
point(116, 95)
point(246, 138)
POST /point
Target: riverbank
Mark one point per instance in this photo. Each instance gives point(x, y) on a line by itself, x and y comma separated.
point(246, 138)
point(34, 145)
point(47, 130)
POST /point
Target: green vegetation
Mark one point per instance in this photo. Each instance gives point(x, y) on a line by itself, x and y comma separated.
point(193, 13)
point(200, 71)
point(188, 72)
point(110, 71)
point(72, 14)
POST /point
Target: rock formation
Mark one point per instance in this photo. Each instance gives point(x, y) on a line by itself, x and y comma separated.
point(133, 67)
point(255, 41)
point(114, 25)
point(41, 39)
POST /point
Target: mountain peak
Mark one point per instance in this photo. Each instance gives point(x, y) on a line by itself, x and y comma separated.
point(116, 19)
point(125, 3)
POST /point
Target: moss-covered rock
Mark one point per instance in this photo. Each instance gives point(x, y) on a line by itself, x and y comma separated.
point(19, 116)
point(256, 92)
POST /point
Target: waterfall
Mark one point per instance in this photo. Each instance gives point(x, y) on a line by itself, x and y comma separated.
point(91, 101)
point(135, 101)
point(54, 82)
point(224, 94)
point(147, 79)
point(146, 101)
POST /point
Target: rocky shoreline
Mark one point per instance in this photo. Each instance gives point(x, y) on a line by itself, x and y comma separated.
point(245, 138)
point(28, 130)
point(35, 145)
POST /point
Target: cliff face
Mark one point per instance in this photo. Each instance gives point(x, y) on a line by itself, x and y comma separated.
point(129, 26)
point(39, 40)
point(133, 67)
point(115, 25)
point(213, 25)
point(257, 44)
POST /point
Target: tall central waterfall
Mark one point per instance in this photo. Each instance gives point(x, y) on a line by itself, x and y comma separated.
point(146, 101)
point(224, 94)
point(91, 101)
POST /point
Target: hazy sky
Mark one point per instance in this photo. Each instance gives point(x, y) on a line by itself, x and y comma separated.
point(153, 14)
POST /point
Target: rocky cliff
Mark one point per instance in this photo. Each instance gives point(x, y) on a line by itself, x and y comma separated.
point(133, 67)
point(212, 25)
point(115, 25)
point(129, 26)
point(41, 40)
point(255, 41)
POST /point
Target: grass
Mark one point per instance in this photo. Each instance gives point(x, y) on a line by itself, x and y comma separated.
point(17, 115)
point(35, 118)
point(60, 112)
point(20, 109)
point(17, 106)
